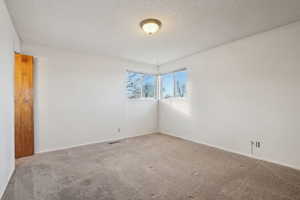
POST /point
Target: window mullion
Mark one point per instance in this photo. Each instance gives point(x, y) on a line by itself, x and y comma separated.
point(157, 92)
point(174, 85)
point(142, 81)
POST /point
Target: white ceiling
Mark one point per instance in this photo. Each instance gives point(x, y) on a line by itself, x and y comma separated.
point(111, 27)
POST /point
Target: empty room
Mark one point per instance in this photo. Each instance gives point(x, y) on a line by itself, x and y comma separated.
point(150, 100)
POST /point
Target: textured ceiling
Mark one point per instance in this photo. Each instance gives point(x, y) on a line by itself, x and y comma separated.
point(111, 27)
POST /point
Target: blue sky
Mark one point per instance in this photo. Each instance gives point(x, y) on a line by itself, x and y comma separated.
point(168, 82)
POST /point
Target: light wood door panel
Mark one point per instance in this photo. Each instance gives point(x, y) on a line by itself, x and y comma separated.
point(24, 131)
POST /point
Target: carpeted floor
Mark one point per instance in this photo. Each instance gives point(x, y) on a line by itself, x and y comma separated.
point(150, 167)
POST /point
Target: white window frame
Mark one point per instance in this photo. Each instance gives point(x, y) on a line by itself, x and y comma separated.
point(174, 84)
point(155, 88)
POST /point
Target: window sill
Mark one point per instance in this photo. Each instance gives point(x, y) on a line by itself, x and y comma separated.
point(142, 99)
point(173, 98)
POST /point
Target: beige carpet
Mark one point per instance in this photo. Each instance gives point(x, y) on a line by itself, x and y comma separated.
point(150, 167)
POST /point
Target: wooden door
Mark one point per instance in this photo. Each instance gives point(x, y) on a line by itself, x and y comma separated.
point(24, 131)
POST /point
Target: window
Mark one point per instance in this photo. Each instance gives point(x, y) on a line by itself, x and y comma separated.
point(167, 86)
point(144, 86)
point(180, 83)
point(173, 84)
point(134, 83)
point(149, 86)
point(141, 85)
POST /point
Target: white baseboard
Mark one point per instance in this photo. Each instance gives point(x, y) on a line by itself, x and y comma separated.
point(90, 143)
point(232, 151)
point(4, 195)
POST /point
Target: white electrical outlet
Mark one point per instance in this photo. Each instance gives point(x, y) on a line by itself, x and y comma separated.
point(256, 148)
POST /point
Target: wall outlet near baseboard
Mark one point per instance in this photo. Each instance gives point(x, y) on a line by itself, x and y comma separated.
point(255, 145)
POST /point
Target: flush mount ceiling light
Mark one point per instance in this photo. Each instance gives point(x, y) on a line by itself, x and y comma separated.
point(150, 26)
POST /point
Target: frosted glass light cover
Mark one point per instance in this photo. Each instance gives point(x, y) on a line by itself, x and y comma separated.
point(150, 26)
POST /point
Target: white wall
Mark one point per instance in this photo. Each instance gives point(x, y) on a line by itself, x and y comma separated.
point(80, 99)
point(8, 43)
point(242, 91)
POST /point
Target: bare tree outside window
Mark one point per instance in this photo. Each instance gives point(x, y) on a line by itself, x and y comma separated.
point(134, 83)
point(149, 86)
point(141, 85)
